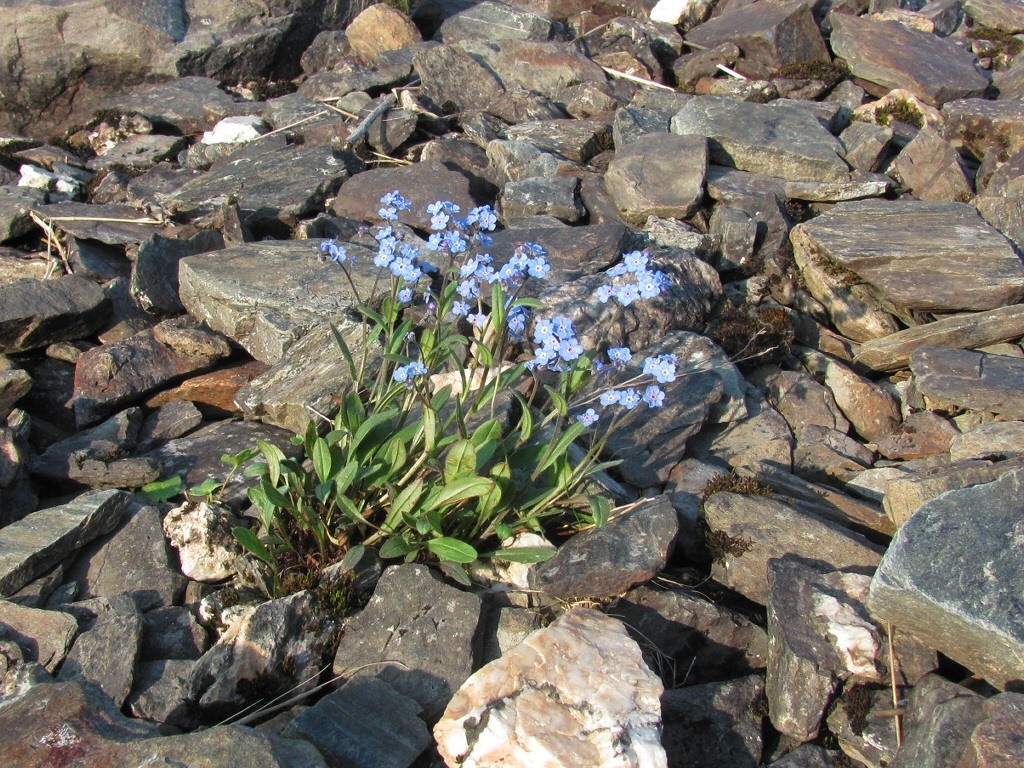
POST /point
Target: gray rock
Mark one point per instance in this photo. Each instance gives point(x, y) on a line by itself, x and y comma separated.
point(364, 724)
point(418, 620)
point(889, 244)
point(784, 142)
point(866, 145)
point(985, 126)
point(31, 546)
point(107, 652)
point(273, 183)
point(962, 331)
point(171, 633)
point(997, 438)
point(37, 313)
point(824, 455)
point(863, 733)
point(770, 35)
point(547, 67)
point(738, 231)
point(454, 80)
point(998, 738)
point(160, 693)
point(748, 531)
point(931, 168)
point(806, 756)
point(895, 56)
point(154, 279)
point(17, 491)
point(573, 252)
point(951, 578)
point(555, 197)
point(714, 723)
point(44, 636)
point(521, 159)
point(139, 153)
point(265, 296)
point(975, 380)
point(649, 112)
point(136, 560)
point(495, 21)
point(110, 224)
point(166, 422)
point(922, 434)
point(575, 140)
point(32, 736)
point(688, 639)
point(998, 14)
point(15, 205)
point(941, 716)
point(603, 562)
point(113, 375)
point(658, 175)
point(800, 399)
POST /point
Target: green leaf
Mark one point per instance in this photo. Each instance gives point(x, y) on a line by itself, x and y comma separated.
point(345, 351)
point(345, 477)
point(208, 487)
point(503, 531)
point(497, 304)
point(274, 457)
point(164, 489)
point(372, 315)
point(235, 460)
point(352, 557)
point(453, 550)
point(429, 430)
point(561, 405)
point(600, 508)
point(394, 547)
point(456, 573)
point(462, 489)
point(461, 460)
point(522, 554)
point(404, 503)
point(323, 461)
point(573, 431)
point(370, 425)
point(274, 495)
point(251, 542)
point(395, 456)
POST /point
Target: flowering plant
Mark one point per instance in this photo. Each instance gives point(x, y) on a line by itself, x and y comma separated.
point(469, 414)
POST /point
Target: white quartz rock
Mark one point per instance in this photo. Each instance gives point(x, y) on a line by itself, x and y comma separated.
point(688, 12)
point(202, 535)
point(576, 693)
point(34, 176)
point(237, 129)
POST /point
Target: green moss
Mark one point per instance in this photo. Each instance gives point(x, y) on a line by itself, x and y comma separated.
point(845, 277)
point(902, 110)
point(721, 545)
point(856, 703)
point(830, 73)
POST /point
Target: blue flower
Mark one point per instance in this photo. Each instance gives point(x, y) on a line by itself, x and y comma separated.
point(648, 284)
point(570, 349)
point(611, 397)
point(517, 321)
point(439, 220)
point(478, 319)
point(619, 356)
point(333, 251)
point(389, 213)
point(662, 368)
point(453, 242)
point(604, 293)
point(460, 308)
point(543, 330)
point(395, 200)
point(626, 294)
point(589, 417)
point(486, 241)
point(469, 288)
point(563, 327)
point(405, 373)
point(405, 295)
point(654, 396)
point(539, 267)
point(635, 261)
point(542, 356)
point(484, 217)
point(629, 398)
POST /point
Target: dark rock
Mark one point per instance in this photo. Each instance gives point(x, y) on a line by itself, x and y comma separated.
point(365, 723)
point(998, 14)
point(784, 142)
point(110, 224)
point(106, 653)
point(770, 35)
point(455, 80)
point(953, 549)
point(866, 145)
point(176, 418)
point(975, 380)
point(160, 693)
point(575, 140)
point(44, 636)
point(603, 562)
point(863, 733)
point(171, 633)
point(555, 197)
point(940, 718)
point(15, 206)
point(418, 620)
point(154, 278)
point(983, 126)
point(139, 153)
point(714, 723)
point(931, 168)
point(895, 56)
point(495, 21)
point(113, 375)
point(690, 639)
point(37, 313)
point(17, 492)
point(548, 67)
point(807, 756)
point(826, 455)
point(135, 560)
point(799, 398)
point(646, 178)
point(31, 546)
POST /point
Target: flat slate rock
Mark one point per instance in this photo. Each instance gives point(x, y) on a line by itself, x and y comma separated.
point(895, 56)
point(267, 295)
point(111, 224)
point(974, 380)
point(892, 244)
point(784, 142)
point(189, 104)
point(658, 175)
point(952, 577)
point(37, 313)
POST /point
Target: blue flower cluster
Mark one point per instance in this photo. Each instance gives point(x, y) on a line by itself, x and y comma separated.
point(644, 283)
point(557, 344)
point(662, 368)
point(404, 374)
point(329, 249)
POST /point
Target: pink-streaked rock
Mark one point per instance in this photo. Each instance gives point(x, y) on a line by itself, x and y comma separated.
point(573, 694)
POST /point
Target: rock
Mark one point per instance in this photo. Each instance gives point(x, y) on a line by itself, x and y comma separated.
point(106, 653)
point(985, 126)
point(378, 29)
point(171, 633)
point(575, 140)
point(747, 531)
point(136, 560)
point(962, 331)
point(763, 436)
point(112, 375)
point(166, 422)
point(37, 313)
point(921, 434)
point(365, 723)
point(953, 549)
point(211, 394)
point(44, 636)
point(154, 278)
point(160, 693)
point(888, 244)
point(894, 56)
point(770, 35)
point(555, 197)
point(866, 145)
point(271, 648)
point(975, 380)
point(31, 546)
point(862, 732)
point(547, 67)
point(806, 756)
point(273, 183)
point(201, 532)
point(820, 635)
point(454, 80)
point(537, 702)
point(604, 562)
point(998, 14)
point(645, 178)
point(997, 740)
point(15, 383)
point(997, 438)
point(800, 399)
point(15, 206)
point(715, 723)
point(688, 638)
point(785, 142)
point(137, 153)
point(110, 224)
point(418, 620)
point(495, 21)
point(54, 722)
point(941, 716)
point(823, 454)
point(931, 169)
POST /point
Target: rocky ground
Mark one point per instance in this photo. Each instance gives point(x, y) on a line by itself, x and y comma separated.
point(818, 556)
